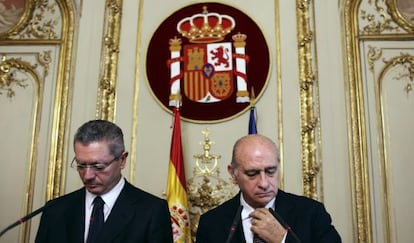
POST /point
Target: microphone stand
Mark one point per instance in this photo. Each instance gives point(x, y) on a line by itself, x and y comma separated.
point(22, 220)
point(236, 221)
point(284, 224)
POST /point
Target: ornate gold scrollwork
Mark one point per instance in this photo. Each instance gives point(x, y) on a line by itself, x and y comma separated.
point(406, 61)
point(206, 189)
point(44, 60)
point(308, 101)
point(40, 27)
point(373, 55)
point(377, 19)
point(110, 52)
point(8, 78)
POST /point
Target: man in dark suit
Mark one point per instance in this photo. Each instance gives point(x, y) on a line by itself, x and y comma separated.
point(128, 213)
point(261, 212)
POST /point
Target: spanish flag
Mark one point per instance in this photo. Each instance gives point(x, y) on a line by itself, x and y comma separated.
point(176, 186)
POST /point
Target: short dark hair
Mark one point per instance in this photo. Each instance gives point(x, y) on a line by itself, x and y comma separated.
point(101, 130)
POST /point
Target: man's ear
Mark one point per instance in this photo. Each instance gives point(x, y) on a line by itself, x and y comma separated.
point(231, 171)
point(123, 158)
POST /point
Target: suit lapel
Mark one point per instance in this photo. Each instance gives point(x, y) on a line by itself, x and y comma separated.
point(285, 207)
point(76, 216)
point(121, 214)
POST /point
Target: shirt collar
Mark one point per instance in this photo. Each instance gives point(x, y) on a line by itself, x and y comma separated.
point(109, 197)
point(247, 209)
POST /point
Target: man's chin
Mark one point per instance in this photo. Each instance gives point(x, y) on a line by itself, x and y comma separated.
point(94, 189)
point(264, 198)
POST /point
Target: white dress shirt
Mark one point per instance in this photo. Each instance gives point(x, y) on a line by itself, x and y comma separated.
point(247, 220)
point(109, 198)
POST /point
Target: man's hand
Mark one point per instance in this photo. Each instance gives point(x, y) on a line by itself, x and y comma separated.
point(266, 226)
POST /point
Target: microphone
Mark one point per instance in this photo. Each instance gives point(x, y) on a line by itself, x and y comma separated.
point(24, 219)
point(236, 221)
point(284, 224)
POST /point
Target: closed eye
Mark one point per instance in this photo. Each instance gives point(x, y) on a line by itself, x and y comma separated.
point(269, 171)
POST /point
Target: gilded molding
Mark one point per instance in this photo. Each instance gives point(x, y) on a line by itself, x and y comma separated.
point(133, 160)
point(406, 62)
point(357, 131)
point(398, 16)
point(308, 100)
point(110, 51)
point(279, 93)
point(8, 69)
point(57, 169)
point(46, 17)
point(368, 20)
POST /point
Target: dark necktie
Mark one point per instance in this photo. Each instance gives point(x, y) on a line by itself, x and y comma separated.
point(97, 220)
point(257, 239)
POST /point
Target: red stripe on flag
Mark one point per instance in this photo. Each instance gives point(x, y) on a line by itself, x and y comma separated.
point(176, 152)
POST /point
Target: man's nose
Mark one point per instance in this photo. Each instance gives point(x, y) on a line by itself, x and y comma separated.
point(263, 182)
point(89, 173)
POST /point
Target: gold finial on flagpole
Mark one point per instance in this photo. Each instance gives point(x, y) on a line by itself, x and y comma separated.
point(252, 97)
point(178, 100)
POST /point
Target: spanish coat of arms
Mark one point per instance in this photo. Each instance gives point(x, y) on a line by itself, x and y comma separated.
point(210, 69)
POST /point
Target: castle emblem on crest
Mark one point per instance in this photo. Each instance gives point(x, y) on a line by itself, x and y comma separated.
point(208, 70)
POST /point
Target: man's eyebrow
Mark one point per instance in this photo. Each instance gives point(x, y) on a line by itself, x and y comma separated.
point(268, 167)
point(258, 170)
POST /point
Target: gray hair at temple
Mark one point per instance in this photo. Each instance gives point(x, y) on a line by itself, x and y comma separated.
point(258, 137)
point(99, 131)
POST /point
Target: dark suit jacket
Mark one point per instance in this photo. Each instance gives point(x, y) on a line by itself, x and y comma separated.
point(307, 218)
point(136, 216)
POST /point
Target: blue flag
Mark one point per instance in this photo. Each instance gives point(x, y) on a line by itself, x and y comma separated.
point(252, 121)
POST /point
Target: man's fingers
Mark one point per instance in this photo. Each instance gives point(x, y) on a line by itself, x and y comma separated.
point(260, 213)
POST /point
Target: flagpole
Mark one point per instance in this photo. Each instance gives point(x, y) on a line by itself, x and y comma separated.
point(252, 119)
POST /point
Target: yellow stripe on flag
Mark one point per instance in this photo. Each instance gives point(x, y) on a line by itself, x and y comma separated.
point(176, 187)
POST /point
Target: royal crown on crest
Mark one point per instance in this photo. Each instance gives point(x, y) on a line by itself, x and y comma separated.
point(206, 27)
